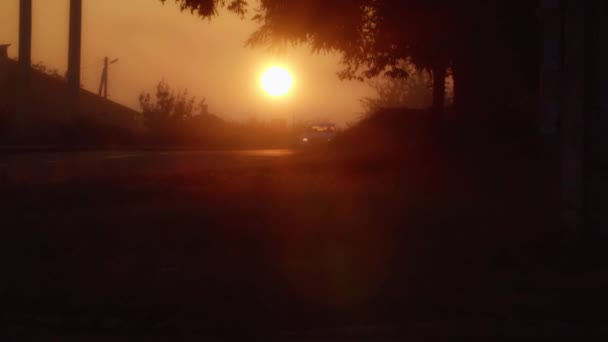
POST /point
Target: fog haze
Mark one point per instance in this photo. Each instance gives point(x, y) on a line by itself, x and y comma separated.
point(154, 41)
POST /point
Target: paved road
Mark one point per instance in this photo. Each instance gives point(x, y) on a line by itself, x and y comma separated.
point(318, 209)
point(63, 166)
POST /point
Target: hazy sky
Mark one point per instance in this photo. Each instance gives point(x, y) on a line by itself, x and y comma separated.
point(155, 41)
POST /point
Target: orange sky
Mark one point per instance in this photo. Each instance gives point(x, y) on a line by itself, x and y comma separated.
point(155, 41)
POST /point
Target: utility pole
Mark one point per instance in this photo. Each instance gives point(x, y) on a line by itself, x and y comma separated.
point(25, 57)
point(103, 85)
point(4, 86)
point(74, 54)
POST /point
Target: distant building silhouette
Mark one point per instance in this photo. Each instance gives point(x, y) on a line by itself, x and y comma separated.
point(4, 51)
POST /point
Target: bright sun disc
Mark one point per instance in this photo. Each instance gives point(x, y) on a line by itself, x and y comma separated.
point(277, 81)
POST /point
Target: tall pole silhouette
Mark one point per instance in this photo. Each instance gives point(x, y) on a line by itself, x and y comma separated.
point(25, 55)
point(551, 51)
point(103, 84)
point(573, 116)
point(75, 37)
point(4, 84)
point(562, 108)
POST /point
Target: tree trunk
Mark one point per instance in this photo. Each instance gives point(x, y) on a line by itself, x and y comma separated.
point(573, 121)
point(550, 27)
point(596, 142)
point(439, 74)
point(456, 92)
point(475, 91)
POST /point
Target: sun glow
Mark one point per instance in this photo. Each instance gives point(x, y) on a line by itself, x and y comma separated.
point(276, 81)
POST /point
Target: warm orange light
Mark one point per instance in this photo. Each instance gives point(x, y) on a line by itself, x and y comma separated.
point(276, 81)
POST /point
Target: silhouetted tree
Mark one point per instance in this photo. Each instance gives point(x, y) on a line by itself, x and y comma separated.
point(478, 40)
point(372, 36)
point(53, 72)
point(414, 92)
point(489, 45)
point(169, 109)
point(208, 8)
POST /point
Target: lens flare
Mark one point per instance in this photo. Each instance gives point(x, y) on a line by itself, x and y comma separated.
point(277, 81)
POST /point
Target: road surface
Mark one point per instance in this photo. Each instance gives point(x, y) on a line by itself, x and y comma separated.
point(53, 167)
point(146, 243)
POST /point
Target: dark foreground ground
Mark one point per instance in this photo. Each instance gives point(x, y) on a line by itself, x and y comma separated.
point(272, 245)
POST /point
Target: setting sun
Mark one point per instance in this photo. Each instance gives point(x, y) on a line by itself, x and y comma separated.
point(277, 81)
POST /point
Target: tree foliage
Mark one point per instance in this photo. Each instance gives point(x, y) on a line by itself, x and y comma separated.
point(413, 92)
point(169, 109)
point(209, 8)
point(49, 71)
point(372, 35)
point(476, 39)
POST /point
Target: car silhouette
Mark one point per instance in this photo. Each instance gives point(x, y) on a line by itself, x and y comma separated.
point(318, 133)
